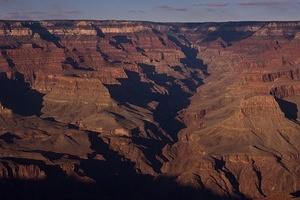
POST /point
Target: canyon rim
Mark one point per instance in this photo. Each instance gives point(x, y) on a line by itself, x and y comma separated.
point(116, 109)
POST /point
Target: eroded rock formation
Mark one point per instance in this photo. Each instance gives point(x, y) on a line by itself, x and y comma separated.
point(151, 110)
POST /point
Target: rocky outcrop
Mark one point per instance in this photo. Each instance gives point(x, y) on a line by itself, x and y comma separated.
point(165, 108)
point(75, 90)
point(271, 77)
point(260, 134)
point(11, 170)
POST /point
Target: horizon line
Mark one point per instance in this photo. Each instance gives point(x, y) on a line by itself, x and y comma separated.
point(148, 21)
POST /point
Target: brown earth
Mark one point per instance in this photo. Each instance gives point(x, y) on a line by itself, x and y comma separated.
point(140, 110)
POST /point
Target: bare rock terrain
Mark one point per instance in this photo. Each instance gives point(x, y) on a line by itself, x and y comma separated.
point(142, 110)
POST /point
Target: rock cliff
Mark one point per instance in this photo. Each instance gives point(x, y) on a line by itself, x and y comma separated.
point(152, 110)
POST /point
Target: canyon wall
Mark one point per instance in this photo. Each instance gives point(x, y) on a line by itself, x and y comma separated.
point(212, 106)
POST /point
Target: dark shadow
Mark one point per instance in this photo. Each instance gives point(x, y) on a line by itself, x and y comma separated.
point(190, 53)
point(114, 44)
point(99, 31)
point(177, 68)
point(16, 94)
point(296, 194)
point(136, 92)
point(116, 161)
point(122, 39)
point(10, 46)
point(259, 177)
point(140, 50)
point(228, 36)
point(227, 33)
point(52, 155)
point(9, 138)
point(220, 167)
point(50, 119)
point(119, 40)
point(36, 46)
point(289, 109)
point(152, 147)
point(159, 35)
point(113, 178)
point(170, 104)
point(132, 90)
point(36, 27)
point(102, 54)
point(70, 61)
point(9, 61)
point(134, 188)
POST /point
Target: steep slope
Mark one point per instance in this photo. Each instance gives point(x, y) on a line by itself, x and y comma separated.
point(242, 131)
point(204, 109)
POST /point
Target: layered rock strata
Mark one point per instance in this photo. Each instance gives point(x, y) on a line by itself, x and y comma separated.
point(214, 106)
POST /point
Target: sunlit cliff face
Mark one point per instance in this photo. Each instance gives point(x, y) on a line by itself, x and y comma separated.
point(168, 109)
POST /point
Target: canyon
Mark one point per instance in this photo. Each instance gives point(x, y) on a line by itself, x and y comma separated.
point(142, 110)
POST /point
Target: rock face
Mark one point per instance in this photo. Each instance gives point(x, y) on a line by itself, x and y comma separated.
point(152, 110)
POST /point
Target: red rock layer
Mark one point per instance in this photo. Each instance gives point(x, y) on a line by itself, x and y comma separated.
point(213, 105)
